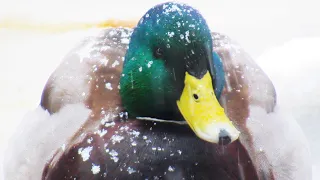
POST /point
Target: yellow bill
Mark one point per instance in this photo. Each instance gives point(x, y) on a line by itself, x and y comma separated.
point(202, 111)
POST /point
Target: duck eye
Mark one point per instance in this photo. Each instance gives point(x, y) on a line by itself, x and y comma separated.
point(196, 97)
point(158, 53)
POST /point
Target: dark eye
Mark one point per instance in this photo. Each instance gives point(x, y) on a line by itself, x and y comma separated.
point(195, 96)
point(158, 53)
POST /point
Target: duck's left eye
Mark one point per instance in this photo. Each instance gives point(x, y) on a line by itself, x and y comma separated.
point(196, 97)
point(158, 53)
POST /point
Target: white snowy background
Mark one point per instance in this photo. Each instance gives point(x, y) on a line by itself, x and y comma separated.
point(283, 36)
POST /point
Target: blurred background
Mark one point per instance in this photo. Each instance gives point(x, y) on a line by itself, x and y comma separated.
point(278, 34)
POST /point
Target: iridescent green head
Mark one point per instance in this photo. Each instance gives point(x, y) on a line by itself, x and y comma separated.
point(169, 70)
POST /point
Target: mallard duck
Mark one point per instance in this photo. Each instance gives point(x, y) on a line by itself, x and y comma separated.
point(169, 99)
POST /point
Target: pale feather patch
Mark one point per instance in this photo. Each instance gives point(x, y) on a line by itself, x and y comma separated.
point(278, 136)
point(37, 137)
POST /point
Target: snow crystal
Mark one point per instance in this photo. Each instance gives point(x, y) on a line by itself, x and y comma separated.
point(102, 132)
point(115, 159)
point(141, 21)
point(85, 153)
point(179, 151)
point(90, 140)
point(124, 128)
point(187, 37)
point(171, 169)
point(115, 63)
point(134, 133)
point(192, 26)
point(179, 24)
point(170, 34)
point(108, 86)
point(109, 124)
point(113, 153)
point(116, 138)
point(95, 169)
point(173, 8)
point(131, 170)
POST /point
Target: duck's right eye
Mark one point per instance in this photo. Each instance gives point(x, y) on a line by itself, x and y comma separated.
point(158, 53)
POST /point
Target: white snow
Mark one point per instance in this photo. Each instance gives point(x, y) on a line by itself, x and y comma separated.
point(95, 169)
point(85, 153)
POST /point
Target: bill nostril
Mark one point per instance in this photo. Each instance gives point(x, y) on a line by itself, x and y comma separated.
point(224, 137)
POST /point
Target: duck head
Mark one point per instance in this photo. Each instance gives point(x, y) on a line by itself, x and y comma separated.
point(171, 72)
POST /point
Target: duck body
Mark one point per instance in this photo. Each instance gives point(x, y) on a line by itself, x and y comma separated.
point(175, 153)
point(113, 145)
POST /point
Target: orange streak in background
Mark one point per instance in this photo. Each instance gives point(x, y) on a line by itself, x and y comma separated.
point(27, 25)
